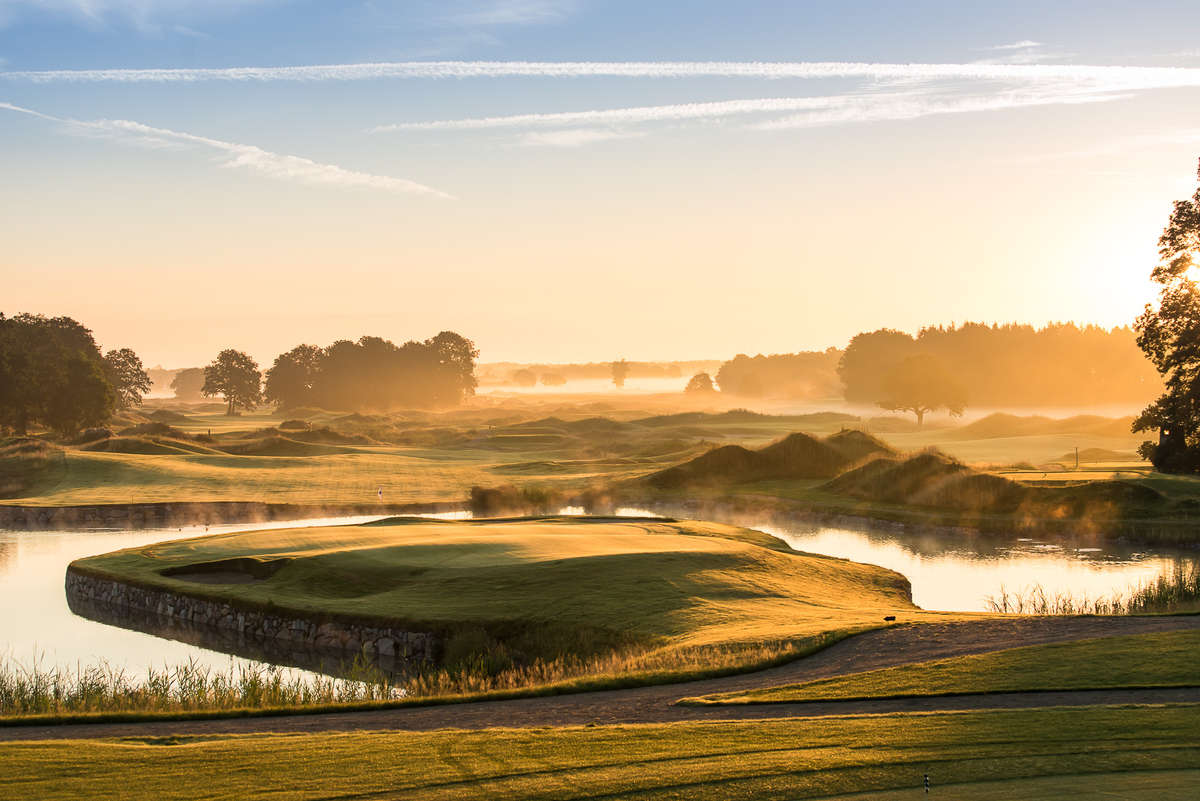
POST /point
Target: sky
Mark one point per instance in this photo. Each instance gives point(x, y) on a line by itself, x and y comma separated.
point(580, 180)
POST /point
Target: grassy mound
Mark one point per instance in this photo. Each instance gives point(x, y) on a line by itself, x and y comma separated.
point(277, 445)
point(796, 456)
point(1095, 455)
point(146, 445)
point(1010, 425)
point(28, 465)
point(516, 591)
point(933, 479)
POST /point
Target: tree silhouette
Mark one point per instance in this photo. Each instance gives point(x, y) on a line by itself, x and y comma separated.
point(187, 383)
point(1170, 337)
point(127, 376)
point(700, 383)
point(291, 379)
point(922, 384)
point(236, 376)
point(620, 370)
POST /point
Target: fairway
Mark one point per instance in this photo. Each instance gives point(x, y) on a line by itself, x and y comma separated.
point(611, 581)
point(1081, 751)
point(1166, 659)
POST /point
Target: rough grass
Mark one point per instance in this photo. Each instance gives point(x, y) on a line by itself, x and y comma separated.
point(1166, 659)
point(1088, 750)
point(528, 590)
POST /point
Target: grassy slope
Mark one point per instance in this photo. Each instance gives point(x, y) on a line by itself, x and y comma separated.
point(554, 443)
point(687, 584)
point(1144, 660)
point(728, 761)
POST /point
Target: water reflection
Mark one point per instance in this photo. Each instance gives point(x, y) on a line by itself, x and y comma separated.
point(960, 571)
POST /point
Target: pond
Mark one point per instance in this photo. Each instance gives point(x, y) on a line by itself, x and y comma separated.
point(947, 572)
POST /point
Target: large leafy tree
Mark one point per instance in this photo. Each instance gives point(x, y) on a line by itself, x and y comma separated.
point(1170, 337)
point(52, 374)
point(922, 384)
point(291, 379)
point(236, 376)
point(620, 371)
point(127, 376)
point(188, 383)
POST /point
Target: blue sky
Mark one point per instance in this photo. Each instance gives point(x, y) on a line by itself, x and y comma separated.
point(617, 173)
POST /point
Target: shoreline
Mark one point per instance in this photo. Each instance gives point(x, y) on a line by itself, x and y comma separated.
point(174, 514)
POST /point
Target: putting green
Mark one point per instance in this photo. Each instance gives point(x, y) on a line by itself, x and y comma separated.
point(632, 582)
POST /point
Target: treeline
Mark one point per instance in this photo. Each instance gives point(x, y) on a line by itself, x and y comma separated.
point(526, 374)
point(995, 365)
point(1010, 365)
point(375, 374)
point(809, 374)
point(52, 374)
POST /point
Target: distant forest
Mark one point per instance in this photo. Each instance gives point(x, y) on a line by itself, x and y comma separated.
point(997, 365)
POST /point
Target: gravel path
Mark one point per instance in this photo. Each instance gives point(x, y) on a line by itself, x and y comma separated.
point(898, 645)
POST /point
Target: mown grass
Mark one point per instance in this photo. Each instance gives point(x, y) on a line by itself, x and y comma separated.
point(1164, 659)
point(730, 761)
point(525, 602)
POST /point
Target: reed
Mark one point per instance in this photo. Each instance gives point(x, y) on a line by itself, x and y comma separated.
point(1175, 589)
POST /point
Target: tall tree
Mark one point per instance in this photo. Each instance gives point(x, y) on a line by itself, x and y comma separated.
point(922, 384)
point(127, 376)
point(1169, 335)
point(291, 379)
point(620, 371)
point(51, 373)
point(188, 383)
point(700, 383)
point(236, 376)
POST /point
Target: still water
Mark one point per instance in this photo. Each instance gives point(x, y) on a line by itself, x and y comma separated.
point(947, 572)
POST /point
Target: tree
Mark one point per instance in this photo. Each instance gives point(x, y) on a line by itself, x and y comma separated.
point(1170, 337)
point(188, 383)
point(291, 379)
point(236, 376)
point(127, 376)
point(922, 384)
point(620, 370)
point(700, 383)
point(524, 377)
point(868, 360)
point(51, 373)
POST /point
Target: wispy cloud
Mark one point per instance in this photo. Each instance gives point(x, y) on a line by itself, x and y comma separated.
point(1021, 45)
point(239, 156)
point(1120, 77)
point(622, 116)
point(805, 111)
point(513, 12)
point(143, 14)
point(574, 137)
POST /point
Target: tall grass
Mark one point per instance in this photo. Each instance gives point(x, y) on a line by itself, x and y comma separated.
point(1176, 589)
point(36, 690)
point(27, 690)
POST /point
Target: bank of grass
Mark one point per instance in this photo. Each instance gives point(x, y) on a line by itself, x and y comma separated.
point(1175, 590)
point(1165, 659)
point(810, 758)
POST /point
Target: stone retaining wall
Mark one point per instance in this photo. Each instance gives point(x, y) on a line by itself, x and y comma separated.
point(404, 647)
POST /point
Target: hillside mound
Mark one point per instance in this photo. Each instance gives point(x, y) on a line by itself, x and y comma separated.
point(275, 445)
point(1093, 455)
point(146, 446)
point(796, 456)
point(28, 463)
point(933, 479)
point(169, 416)
point(1010, 425)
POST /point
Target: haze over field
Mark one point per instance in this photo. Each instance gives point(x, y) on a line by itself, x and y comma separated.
point(189, 175)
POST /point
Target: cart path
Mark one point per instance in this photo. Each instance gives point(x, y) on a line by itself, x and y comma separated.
point(898, 645)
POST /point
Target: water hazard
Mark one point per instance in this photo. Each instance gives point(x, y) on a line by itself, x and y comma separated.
point(947, 572)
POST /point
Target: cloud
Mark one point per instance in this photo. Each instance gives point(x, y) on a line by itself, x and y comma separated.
point(806, 111)
point(574, 137)
point(143, 14)
point(618, 116)
point(513, 12)
point(239, 156)
point(1021, 45)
